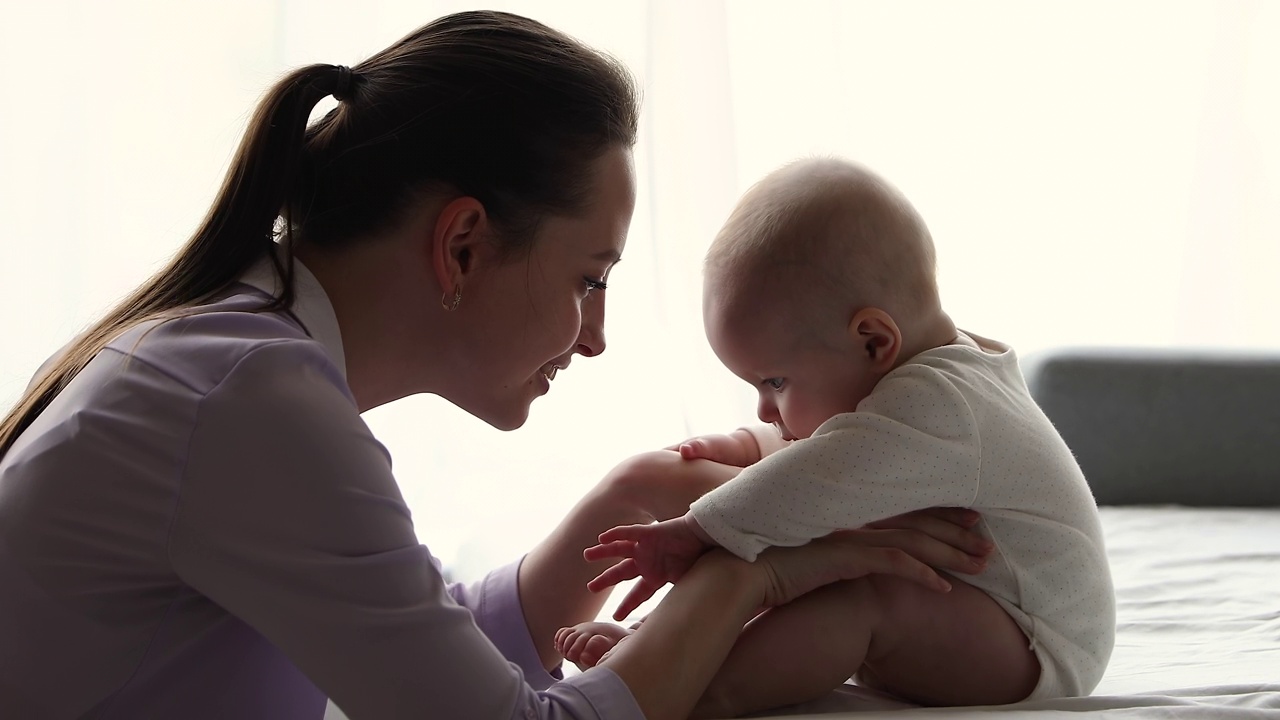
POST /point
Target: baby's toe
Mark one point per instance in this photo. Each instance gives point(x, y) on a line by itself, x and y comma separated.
point(579, 644)
point(595, 649)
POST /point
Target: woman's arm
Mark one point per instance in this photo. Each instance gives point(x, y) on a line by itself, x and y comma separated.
point(302, 534)
point(553, 577)
point(670, 659)
point(289, 519)
point(711, 603)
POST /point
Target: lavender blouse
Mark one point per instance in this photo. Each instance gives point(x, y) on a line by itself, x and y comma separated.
point(201, 526)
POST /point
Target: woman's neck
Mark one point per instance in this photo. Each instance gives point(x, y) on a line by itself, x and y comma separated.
point(375, 296)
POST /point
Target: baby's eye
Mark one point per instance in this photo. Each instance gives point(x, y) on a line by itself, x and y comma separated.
point(593, 284)
point(775, 383)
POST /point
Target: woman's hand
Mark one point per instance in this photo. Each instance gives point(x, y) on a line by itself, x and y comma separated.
point(942, 537)
point(702, 616)
point(788, 573)
point(908, 546)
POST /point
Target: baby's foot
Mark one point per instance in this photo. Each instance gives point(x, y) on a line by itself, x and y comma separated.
point(585, 644)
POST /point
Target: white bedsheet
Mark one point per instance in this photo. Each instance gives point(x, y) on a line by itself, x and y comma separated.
point(1198, 625)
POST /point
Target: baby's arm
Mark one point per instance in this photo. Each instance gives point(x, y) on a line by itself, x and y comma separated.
point(738, 448)
point(860, 467)
point(768, 439)
point(742, 447)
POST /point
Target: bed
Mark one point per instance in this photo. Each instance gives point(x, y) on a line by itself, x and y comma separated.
point(1182, 450)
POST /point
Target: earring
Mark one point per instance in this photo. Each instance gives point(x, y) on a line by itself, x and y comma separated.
point(449, 305)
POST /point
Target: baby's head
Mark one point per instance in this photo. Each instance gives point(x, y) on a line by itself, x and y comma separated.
point(820, 283)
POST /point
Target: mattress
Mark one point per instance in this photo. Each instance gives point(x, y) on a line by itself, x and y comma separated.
point(1198, 625)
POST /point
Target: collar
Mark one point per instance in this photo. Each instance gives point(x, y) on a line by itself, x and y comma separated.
point(311, 305)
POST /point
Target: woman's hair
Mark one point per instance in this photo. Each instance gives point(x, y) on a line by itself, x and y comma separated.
point(482, 104)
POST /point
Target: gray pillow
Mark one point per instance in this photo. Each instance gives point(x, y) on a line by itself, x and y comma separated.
point(1159, 426)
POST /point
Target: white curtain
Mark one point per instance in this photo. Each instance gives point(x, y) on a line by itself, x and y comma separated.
point(1094, 172)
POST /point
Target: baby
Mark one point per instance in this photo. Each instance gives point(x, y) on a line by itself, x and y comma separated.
point(820, 292)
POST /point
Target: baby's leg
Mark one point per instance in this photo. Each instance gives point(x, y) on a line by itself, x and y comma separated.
point(958, 648)
point(585, 643)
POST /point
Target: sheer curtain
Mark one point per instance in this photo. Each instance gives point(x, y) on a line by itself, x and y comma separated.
point(1093, 172)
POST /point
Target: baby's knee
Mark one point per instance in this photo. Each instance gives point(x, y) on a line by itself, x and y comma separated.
point(633, 476)
point(659, 482)
point(626, 482)
point(644, 466)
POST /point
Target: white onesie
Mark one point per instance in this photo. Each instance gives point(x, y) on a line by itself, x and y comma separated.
point(952, 426)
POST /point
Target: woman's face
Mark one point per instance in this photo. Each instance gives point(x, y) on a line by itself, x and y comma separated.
point(530, 315)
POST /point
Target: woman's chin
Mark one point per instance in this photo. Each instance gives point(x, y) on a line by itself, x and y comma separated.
point(511, 416)
point(509, 411)
point(510, 423)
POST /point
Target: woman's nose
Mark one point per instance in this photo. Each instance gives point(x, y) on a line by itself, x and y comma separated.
point(591, 336)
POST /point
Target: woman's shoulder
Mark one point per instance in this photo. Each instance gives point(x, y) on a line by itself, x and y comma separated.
point(233, 336)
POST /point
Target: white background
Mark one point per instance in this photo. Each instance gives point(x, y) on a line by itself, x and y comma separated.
point(1094, 172)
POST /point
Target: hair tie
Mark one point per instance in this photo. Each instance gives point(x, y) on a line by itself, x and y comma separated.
point(343, 85)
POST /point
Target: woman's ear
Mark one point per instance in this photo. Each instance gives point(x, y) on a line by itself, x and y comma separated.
point(876, 336)
point(456, 240)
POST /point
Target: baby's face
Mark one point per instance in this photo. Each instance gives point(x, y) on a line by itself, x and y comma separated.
point(800, 380)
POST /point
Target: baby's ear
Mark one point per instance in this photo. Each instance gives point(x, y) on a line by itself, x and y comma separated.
point(878, 336)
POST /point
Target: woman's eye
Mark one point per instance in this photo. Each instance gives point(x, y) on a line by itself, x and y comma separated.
point(593, 284)
point(775, 383)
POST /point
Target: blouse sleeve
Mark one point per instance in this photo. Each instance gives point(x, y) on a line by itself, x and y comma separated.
point(912, 444)
point(289, 517)
point(494, 602)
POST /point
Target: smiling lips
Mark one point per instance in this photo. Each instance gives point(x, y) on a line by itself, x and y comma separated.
point(551, 374)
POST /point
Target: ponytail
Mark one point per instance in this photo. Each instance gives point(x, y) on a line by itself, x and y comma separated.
point(237, 232)
point(482, 104)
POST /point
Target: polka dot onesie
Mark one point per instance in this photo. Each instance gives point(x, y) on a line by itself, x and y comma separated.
point(952, 426)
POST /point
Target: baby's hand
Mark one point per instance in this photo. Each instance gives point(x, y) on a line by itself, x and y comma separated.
point(657, 554)
point(738, 448)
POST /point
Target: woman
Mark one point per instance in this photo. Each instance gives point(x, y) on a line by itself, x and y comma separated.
point(194, 520)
